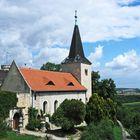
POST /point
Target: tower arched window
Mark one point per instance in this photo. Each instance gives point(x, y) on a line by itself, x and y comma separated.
point(45, 106)
point(55, 105)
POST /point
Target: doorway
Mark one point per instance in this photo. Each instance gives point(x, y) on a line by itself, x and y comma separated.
point(16, 121)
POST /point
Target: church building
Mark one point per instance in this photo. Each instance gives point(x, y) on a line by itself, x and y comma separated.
point(46, 90)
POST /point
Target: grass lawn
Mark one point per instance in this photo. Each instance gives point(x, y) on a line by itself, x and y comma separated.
point(118, 133)
point(132, 103)
point(13, 136)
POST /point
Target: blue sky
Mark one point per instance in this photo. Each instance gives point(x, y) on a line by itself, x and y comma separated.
point(37, 31)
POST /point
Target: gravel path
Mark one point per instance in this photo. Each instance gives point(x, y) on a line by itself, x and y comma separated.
point(41, 134)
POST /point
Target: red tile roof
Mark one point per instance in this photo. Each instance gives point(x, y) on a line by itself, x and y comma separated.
point(38, 80)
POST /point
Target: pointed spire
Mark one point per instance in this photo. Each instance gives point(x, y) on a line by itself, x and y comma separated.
point(76, 53)
point(75, 17)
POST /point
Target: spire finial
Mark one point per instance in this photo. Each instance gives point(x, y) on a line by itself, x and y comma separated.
point(75, 17)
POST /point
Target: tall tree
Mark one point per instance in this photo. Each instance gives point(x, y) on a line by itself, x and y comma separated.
point(51, 67)
point(95, 81)
point(105, 88)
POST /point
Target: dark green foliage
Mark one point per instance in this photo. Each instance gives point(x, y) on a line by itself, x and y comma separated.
point(51, 67)
point(33, 121)
point(105, 88)
point(69, 113)
point(3, 128)
point(99, 108)
point(8, 100)
point(130, 118)
point(103, 130)
point(95, 81)
point(128, 98)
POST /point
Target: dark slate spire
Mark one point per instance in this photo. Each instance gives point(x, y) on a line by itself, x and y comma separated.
point(76, 53)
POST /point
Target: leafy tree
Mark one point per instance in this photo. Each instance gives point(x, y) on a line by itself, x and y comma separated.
point(95, 81)
point(51, 67)
point(107, 89)
point(102, 130)
point(69, 113)
point(99, 108)
point(95, 109)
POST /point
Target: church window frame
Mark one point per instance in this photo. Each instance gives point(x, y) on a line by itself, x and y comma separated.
point(86, 72)
point(45, 107)
point(55, 105)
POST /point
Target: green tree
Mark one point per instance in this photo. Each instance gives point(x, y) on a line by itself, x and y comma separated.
point(68, 114)
point(95, 109)
point(99, 108)
point(51, 67)
point(107, 89)
point(95, 81)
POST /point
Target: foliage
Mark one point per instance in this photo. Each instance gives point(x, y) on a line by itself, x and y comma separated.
point(130, 118)
point(8, 100)
point(69, 113)
point(105, 88)
point(128, 98)
point(95, 81)
point(33, 121)
point(3, 128)
point(103, 130)
point(98, 108)
point(117, 133)
point(51, 67)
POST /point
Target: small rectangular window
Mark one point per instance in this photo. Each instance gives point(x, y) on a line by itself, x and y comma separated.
point(86, 72)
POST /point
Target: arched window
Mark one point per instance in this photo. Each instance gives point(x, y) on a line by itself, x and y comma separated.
point(55, 105)
point(45, 107)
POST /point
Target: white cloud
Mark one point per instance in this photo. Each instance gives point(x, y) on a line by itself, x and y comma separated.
point(94, 57)
point(55, 55)
point(50, 22)
point(126, 61)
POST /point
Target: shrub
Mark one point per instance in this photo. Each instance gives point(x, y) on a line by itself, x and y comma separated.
point(33, 121)
point(68, 114)
point(103, 130)
point(3, 128)
point(8, 100)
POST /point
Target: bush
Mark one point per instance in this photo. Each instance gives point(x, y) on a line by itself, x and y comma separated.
point(33, 121)
point(68, 114)
point(8, 100)
point(103, 130)
point(130, 118)
point(3, 128)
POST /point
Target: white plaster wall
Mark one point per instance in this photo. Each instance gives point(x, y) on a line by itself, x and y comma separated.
point(86, 79)
point(53, 96)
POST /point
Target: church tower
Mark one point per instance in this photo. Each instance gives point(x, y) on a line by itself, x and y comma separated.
point(76, 62)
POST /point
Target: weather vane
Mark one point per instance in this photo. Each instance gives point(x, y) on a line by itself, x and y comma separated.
point(75, 17)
